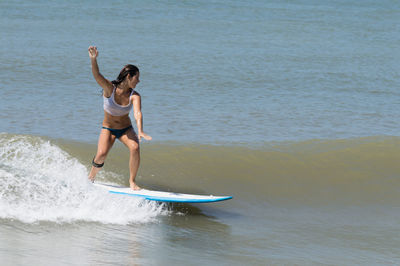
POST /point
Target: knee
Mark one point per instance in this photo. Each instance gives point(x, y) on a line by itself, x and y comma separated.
point(134, 147)
point(101, 155)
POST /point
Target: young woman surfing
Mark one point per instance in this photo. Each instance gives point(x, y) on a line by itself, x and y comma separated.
point(119, 97)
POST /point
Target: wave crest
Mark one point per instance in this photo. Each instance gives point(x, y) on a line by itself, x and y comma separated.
point(41, 182)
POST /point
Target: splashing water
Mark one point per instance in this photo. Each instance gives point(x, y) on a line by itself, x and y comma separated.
point(41, 182)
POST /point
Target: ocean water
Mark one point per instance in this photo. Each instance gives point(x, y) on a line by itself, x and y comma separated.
point(292, 107)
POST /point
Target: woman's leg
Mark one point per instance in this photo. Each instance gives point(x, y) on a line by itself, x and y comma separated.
point(106, 141)
point(130, 139)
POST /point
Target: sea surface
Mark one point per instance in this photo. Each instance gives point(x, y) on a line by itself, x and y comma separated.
point(292, 107)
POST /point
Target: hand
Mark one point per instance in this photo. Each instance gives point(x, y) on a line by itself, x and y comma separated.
point(144, 135)
point(93, 53)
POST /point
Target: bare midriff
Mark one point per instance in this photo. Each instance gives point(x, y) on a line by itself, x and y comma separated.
point(116, 122)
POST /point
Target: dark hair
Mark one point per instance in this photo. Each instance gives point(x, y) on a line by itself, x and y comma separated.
point(128, 69)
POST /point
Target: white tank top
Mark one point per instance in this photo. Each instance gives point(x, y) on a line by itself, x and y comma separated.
point(113, 108)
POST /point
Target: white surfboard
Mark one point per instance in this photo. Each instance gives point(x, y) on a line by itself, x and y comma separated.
point(162, 195)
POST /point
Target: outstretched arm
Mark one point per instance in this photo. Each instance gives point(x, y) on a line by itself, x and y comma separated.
point(103, 82)
point(137, 106)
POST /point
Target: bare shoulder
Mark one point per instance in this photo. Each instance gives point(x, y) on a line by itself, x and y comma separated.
point(135, 96)
point(107, 86)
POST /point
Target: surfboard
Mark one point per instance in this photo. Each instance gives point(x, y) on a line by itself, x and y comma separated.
point(161, 195)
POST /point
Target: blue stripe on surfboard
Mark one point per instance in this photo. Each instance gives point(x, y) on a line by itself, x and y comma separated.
point(173, 199)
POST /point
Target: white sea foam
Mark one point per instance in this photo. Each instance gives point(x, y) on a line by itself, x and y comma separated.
point(41, 182)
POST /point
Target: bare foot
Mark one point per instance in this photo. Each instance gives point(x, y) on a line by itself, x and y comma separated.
point(91, 179)
point(134, 186)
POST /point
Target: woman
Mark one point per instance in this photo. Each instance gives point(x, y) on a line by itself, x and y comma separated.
point(119, 96)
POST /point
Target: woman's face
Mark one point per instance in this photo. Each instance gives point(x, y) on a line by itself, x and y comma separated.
point(133, 81)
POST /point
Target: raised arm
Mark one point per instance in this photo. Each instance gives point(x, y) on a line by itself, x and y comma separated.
point(102, 81)
point(137, 106)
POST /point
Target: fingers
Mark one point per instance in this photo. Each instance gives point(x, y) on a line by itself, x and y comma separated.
point(145, 136)
point(93, 51)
